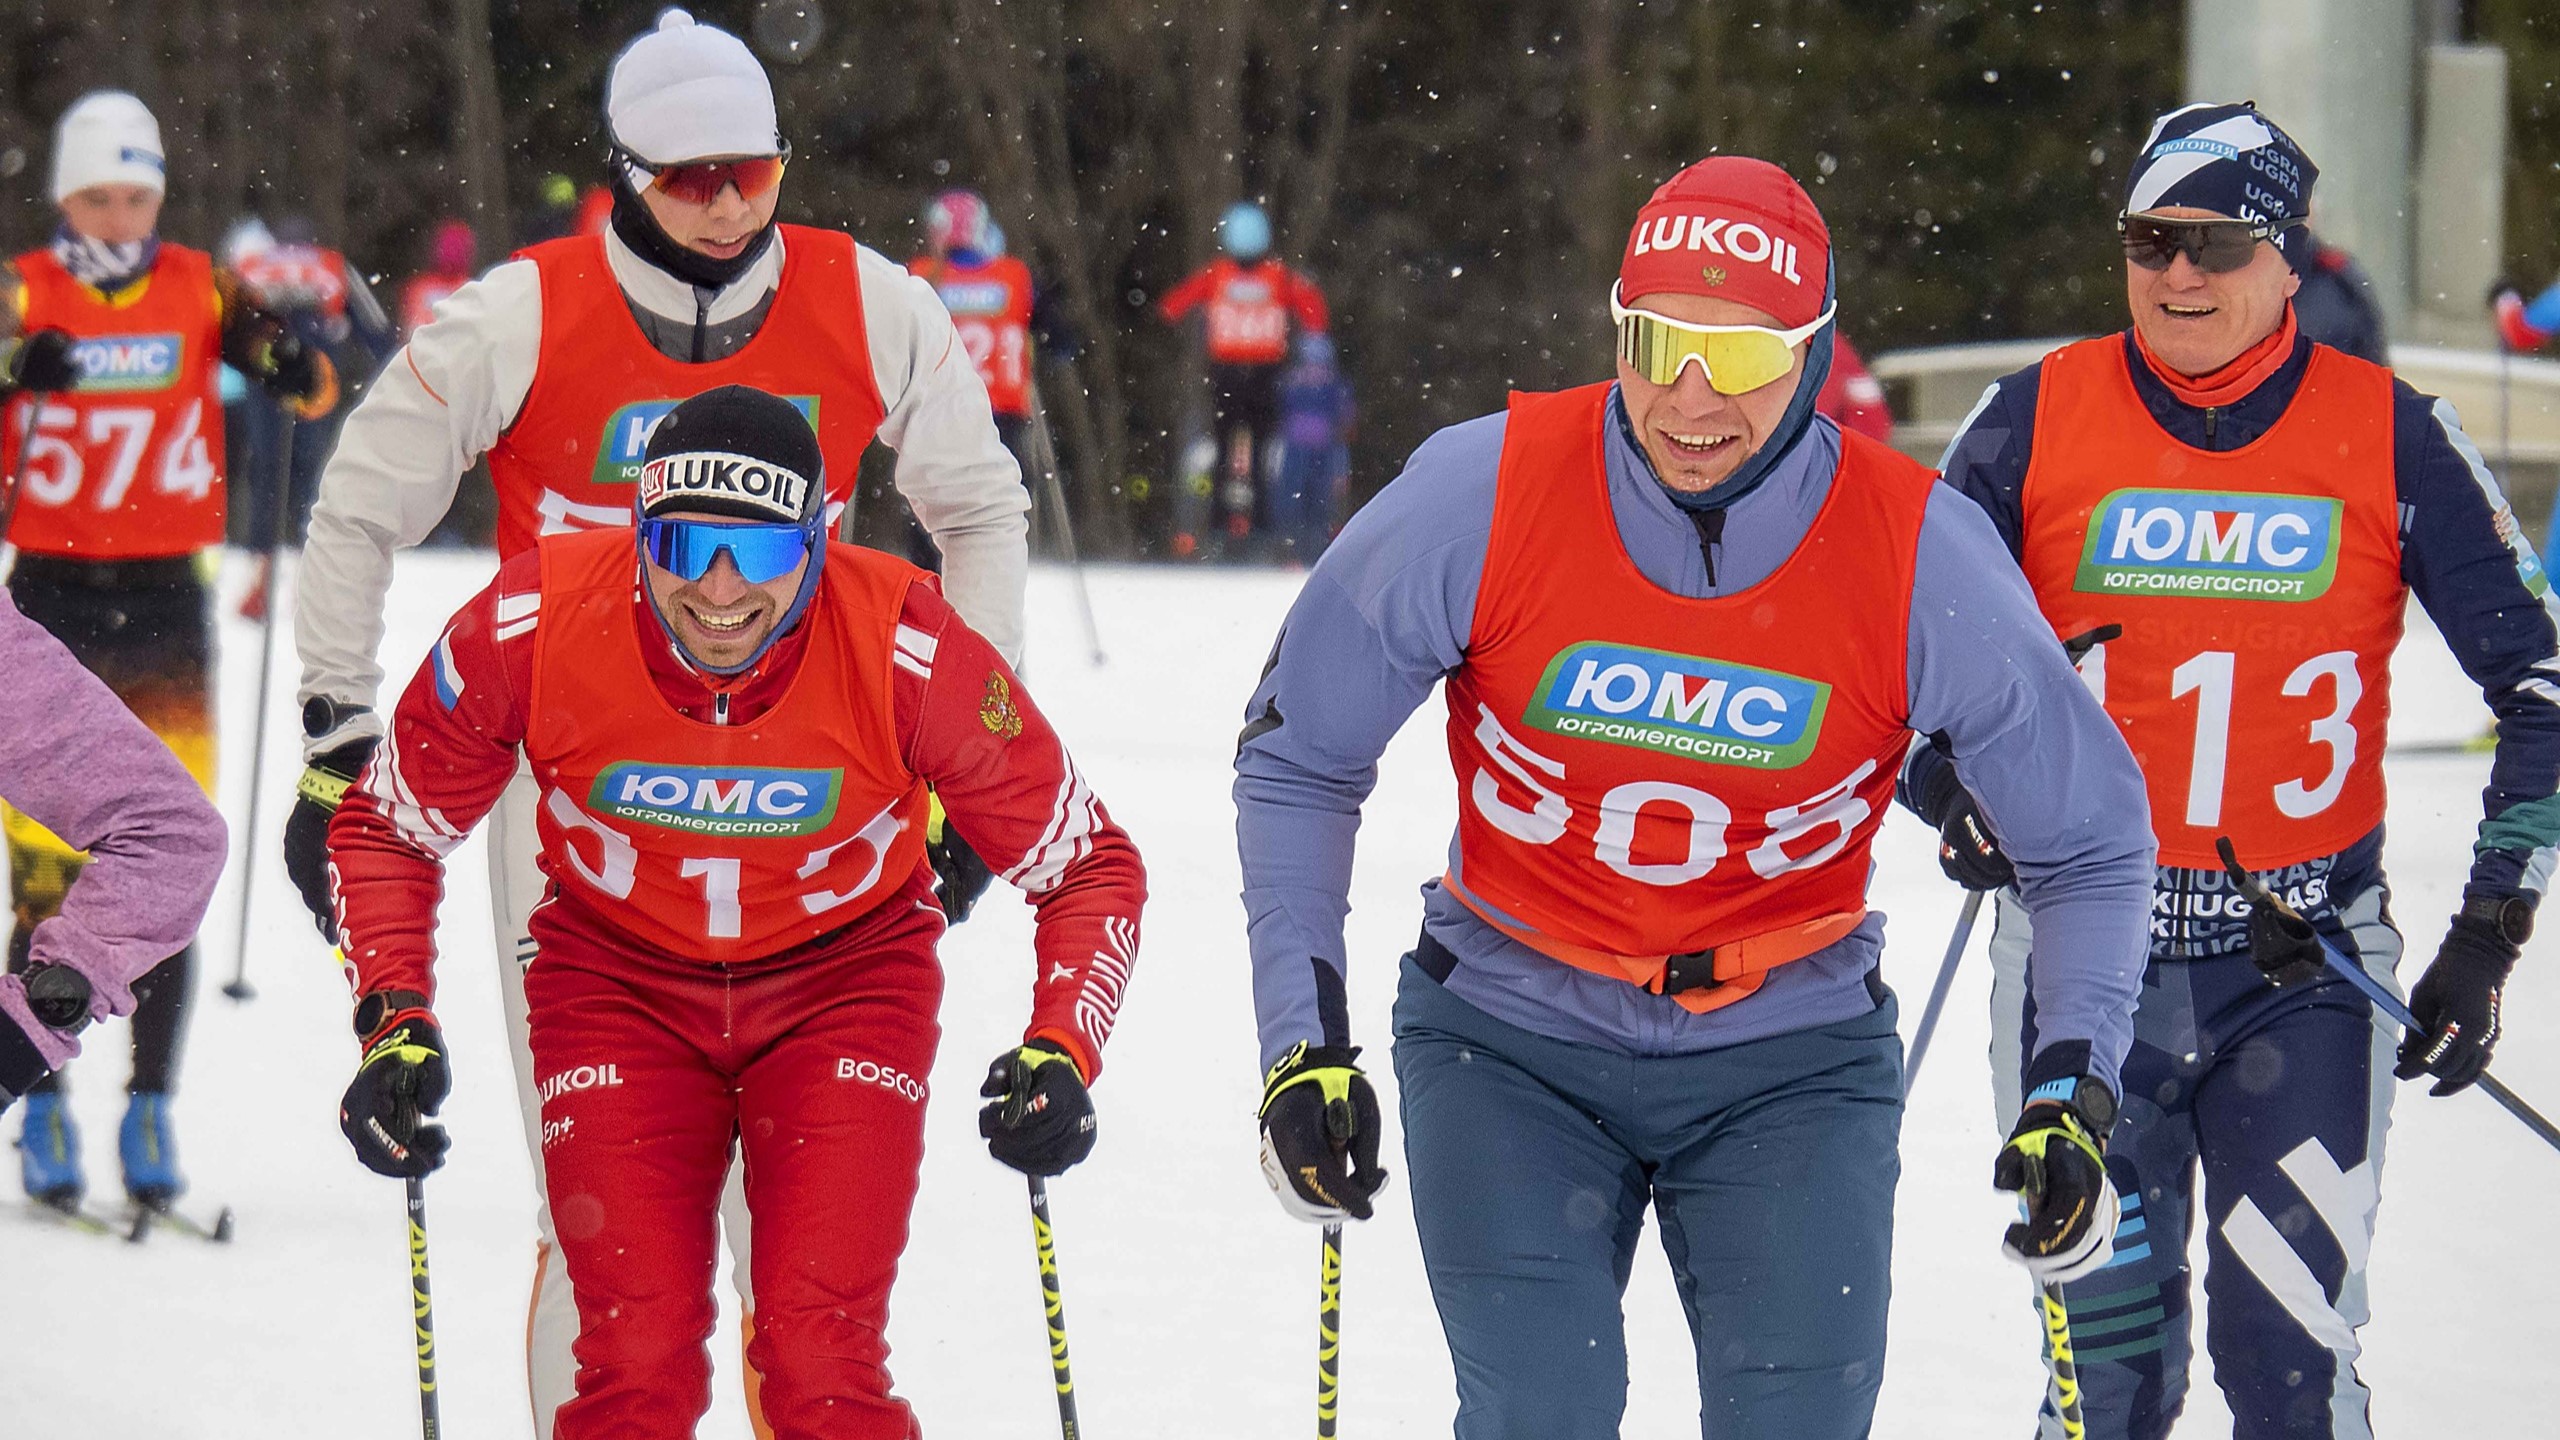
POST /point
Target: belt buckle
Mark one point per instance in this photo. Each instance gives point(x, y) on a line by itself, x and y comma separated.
point(1693, 971)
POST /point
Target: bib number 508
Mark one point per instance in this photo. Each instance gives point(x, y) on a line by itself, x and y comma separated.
point(1838, 810)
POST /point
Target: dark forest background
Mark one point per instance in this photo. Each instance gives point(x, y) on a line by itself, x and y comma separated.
point(1457, 173)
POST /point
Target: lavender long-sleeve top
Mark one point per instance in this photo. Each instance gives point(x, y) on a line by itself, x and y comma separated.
point(1386, 614)
point(78, 762)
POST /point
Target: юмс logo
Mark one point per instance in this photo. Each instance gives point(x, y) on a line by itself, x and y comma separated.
point(2202, 542)
point(1684, 705)
point(738, 800)
point(129, 362)
point(626, 436)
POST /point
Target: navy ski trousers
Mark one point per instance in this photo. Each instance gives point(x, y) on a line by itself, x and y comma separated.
point(1770, 1164)
point(2279, 1099)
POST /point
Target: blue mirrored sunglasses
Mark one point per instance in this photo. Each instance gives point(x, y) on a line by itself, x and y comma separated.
point(688, 548)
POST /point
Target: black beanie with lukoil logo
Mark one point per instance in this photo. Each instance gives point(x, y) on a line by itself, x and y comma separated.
point(735, 451)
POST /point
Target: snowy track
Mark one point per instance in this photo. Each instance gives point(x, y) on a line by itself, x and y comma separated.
point(1190, 1297)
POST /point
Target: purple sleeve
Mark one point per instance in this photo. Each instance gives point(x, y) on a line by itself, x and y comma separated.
point(2054, 779)
point(1383, 616)
point(74, 759)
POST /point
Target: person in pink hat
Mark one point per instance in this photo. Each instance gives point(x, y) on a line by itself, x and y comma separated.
point(1689, 629)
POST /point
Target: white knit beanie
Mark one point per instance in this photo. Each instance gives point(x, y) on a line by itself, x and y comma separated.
point(689, 92)
point(107, 137)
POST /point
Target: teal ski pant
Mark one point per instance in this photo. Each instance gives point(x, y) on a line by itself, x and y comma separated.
point(1771, 1166)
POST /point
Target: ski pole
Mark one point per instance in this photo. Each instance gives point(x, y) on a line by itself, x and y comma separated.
point(1938, 992)
point(1044, 1240)
point(18, 470)
point(2383, 1000)
point(423, 1309)
point(2066, 1370)
point(238, 987)
point(1045, 452)
point(1329, 1334)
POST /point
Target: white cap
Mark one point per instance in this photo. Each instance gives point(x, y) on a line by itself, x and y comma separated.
point(107, 137)
point(688, 92)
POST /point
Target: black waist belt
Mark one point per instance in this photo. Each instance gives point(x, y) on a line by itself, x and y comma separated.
point(63, 572)
point(1437, 960)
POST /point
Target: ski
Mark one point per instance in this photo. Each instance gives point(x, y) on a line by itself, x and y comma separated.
point(77, 1217)
point(147, 1218)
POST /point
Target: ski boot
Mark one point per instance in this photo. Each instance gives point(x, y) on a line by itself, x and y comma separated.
point(149, 1148)
point(49, 1153)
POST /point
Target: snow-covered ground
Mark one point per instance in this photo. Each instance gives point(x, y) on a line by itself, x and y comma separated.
point(1190, 1298)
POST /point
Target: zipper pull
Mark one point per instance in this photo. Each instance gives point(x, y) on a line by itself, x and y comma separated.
point(720, 708)
point(2212, 413)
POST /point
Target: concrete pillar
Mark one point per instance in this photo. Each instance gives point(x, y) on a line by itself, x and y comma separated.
point(2337, 75)
point(2461, 202)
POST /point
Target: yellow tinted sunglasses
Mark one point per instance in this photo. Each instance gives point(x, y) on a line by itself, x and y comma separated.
point(1736, 359)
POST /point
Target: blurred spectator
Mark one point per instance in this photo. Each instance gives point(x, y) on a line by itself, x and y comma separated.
point(327, 305)
point(1852, 396)
point(1314, 478)
point(450, 265)
point(2335, 305)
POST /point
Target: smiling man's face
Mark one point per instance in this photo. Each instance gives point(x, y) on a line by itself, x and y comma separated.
point(2195, 322)
point(1695, 435)
point(721, 619)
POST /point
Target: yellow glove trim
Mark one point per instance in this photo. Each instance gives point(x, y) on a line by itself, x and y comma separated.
point(1332, 1082)
point(321, 787)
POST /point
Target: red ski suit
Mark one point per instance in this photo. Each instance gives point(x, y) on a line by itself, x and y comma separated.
point(798, 1025)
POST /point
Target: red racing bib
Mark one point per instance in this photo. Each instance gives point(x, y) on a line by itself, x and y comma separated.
point(721, 843)
point(1642, 774)
point(600, 388)
point(129, 465)
point(990, 306)
point(2259, 590)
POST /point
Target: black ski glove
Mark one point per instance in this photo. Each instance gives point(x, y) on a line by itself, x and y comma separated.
point(306, 831)
point(959, 876)
point(1967, 850)
point(403, 1076)
point(43, 362)
point(2283, 945)
point(2457, 1003)
point(1038, 1117)
point(2055, 1162)
point(1318, 1113)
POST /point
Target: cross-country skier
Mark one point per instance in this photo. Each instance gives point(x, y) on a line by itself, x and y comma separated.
point(1002, 316)
point(329, 307)
point(123, 488)
point(75, 760)
point(556, 366)
point(1689, 629)
point(732, 731)
point(2246, 513)
point(1252, 302)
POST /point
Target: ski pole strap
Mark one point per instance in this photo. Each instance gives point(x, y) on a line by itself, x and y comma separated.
point(321, 787)
point(1701, 980)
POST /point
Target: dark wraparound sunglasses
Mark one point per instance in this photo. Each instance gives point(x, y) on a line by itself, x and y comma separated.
point(2217, 247)
point(699, 182)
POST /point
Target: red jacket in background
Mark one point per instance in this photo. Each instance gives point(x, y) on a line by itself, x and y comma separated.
point(1250, 307)
point(1853, 396)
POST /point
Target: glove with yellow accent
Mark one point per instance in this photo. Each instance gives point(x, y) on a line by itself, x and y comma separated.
point(306, 831)
point(2056, 1163)
point(303, 376)
point(403, 1076)
point(959, 876)
point(1320, 1134)
point(1038, 1117)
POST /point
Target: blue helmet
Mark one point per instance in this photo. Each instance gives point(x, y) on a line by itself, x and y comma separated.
point(1245, 231)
